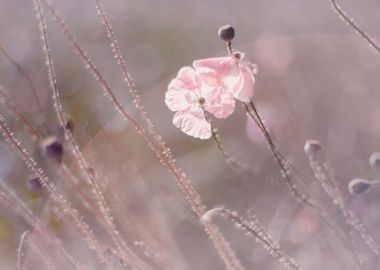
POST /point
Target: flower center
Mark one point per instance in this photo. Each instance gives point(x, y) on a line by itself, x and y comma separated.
point(201, 101)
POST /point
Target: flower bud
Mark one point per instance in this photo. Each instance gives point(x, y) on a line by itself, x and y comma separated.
point(52, 148)
point(34, 184)
point(358, 186)
point(226, 32)
point(374, 161)
point(312, 147)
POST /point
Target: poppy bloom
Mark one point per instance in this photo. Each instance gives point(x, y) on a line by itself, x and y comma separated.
point(190, 97)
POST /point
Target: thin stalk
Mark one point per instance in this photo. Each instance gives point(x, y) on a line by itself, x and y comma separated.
point(344, 15)
point(21, 251)
point(286, 169)
point(42, 253)
point(88, 235)
point(254, 229)
point(24, 74)
point(192, 197)
point(18, 206)
point(124, 250)
point(67, 176)
point(230, 159)
point(18, 114)
point(325, 176)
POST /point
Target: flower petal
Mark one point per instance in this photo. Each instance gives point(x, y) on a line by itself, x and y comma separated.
point(243, 89)
point(188, 77)
point(177, 99)
point(223, 66)
point(179, 95)
point(193, 123)
point(221, 103)
point(209, 76)
point(219, 71)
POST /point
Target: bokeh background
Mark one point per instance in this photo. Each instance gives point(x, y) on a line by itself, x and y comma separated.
point(317, 80)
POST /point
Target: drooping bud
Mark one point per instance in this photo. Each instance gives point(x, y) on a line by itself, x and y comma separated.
point(52, 148)
point(33, 184)
point(312, 147)
point(226, 32)
point(374, 161)
point(358, 186)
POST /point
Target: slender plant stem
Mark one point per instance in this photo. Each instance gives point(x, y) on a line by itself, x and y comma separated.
point(344, 15)
point(18, 114)
point(231, 160)
point(24, 74)
point(164, 156)
point(17, 205)
point(286, 170)
point(254, 229)
point(124, 250)
point(21, 250)
point(51, 188)
point(325, 176)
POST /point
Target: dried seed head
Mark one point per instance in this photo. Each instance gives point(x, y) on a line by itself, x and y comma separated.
point(33, 184)
point(358, 186)
point(312, 147)
point(374, 161)
point(52, 148)
point(226, 32)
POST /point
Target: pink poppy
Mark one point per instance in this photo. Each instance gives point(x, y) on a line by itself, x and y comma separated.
point(190, 98)
point(230, 73)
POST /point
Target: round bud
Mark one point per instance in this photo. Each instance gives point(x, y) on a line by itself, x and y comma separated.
point(52, 148)
point(358, 186)
point(374, 161)
point(312, 147)
point(226, 32)
point(34, 184)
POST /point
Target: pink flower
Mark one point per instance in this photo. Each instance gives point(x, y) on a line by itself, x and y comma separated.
point(190, 97)
point(230, 73)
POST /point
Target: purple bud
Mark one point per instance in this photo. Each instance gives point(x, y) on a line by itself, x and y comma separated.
point(34, 184)
point(312, 147)
point(358, 186)
point(226, 32)
point(52, 148)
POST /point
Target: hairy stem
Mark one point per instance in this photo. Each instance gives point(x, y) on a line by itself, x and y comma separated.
point(344, 15)
point(254, 229)
point(163, 154)
point(286, 170)
point(83, 164)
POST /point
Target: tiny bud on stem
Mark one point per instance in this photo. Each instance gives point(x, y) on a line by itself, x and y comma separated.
point(52, 149)
point(358, 186)
point(312, 147)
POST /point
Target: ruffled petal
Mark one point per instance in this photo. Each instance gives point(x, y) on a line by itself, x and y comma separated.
point(223, 66)
point(181, 90)
point(189, 78)
point(209, 76)
point(178, 99)
point(193, 123)
point(244, 88)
